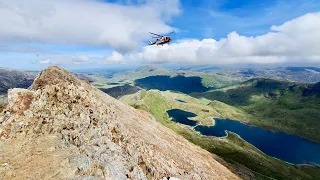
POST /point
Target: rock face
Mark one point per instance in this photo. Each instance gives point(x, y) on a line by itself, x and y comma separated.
point(64, 128)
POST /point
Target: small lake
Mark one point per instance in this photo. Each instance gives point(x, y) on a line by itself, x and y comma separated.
point(119, 91)
point(287, 147)
point(113, 83)
point(181, 116)
point(177, 83)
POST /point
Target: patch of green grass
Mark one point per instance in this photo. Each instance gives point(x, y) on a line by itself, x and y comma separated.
point(235, 151)
point(314, 172)
point(218, 81)
point(143, 93)
point(140, 106)
point(240, 95)
point(159, 111)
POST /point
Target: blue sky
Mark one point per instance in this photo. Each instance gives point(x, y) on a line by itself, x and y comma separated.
point(84, 47)
point(215, 19)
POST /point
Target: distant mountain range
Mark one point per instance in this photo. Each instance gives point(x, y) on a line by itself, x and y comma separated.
point(11, 78)
point(297, 74)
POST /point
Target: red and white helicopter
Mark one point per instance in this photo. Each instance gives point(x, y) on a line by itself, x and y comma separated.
point(161, 39)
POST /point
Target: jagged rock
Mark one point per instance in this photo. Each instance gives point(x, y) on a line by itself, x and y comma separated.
point(64, 128)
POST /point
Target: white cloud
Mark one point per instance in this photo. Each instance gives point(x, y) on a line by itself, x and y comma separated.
point(80, 59)
point(84, 22)
point(20, 48)
point(297, 40)
point(46, 61)
point(114, 58)
point(67, 59)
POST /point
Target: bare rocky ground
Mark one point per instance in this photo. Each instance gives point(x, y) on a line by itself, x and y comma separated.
point(64, 128)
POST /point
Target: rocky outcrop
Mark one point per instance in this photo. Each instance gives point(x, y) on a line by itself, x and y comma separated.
point(64, 128)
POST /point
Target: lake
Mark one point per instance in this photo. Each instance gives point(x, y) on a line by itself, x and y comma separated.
point(177, 83)
point(119, 91)
point(287, 147)
point(181, 116)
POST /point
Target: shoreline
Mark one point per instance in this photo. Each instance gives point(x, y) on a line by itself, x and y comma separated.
point(213, 118)
point(227, 134)
point(270, 129)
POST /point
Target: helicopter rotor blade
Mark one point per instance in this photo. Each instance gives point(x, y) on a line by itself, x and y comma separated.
point(171, 32)
point(156, 34)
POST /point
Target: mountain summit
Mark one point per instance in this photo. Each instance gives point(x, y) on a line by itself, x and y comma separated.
point(65, 128)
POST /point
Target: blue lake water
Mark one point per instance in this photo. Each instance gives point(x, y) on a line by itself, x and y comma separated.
point(176, 83)
point(287, 147)
point(182, 117)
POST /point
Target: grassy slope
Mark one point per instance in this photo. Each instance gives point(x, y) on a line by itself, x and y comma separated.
point(218, 81)
point(241, 155)
point(273, 105)
point(214, 80)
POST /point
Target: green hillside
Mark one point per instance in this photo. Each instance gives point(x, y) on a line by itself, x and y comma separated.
point(215, 80)
point(127, 77)
point(240, 156)
point(209, 80)
point(276, 105)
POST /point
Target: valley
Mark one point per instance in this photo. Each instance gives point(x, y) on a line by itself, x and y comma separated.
point(279, 145)
point(276, 105)
point(240, 154)
point(200, 106)
point(209, 80)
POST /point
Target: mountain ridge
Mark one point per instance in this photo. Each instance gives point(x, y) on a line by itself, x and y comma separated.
point(81, 132)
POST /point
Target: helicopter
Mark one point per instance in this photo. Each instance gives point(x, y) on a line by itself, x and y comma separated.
point(161, 39)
